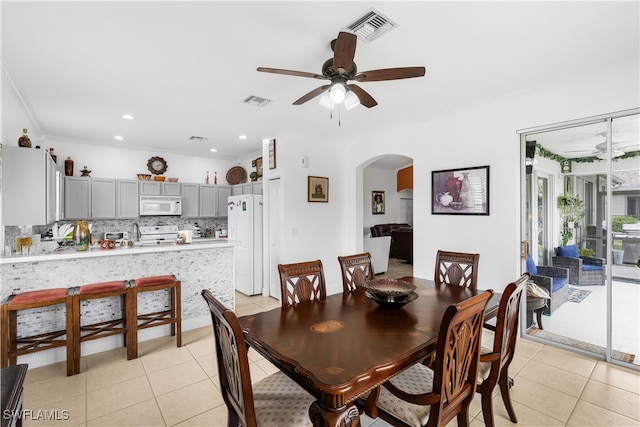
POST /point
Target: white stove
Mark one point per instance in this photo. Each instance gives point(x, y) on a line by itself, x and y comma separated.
point(158, 235)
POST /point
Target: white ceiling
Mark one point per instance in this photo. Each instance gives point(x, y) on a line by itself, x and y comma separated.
point(184, 68)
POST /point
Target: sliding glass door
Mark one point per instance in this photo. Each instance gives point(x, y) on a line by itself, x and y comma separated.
point(581, 182)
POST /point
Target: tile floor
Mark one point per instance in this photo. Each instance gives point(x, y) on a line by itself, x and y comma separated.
point(169, 386)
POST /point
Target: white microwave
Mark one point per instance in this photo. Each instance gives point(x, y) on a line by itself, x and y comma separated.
point(160, 205)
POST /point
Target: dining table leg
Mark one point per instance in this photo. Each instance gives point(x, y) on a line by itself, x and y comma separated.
point(322, 416)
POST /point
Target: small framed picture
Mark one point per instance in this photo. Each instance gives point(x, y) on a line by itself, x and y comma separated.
point(317, 189)
point(259, 166)
point(377, 202)
point(462, 191)
point(272, 154)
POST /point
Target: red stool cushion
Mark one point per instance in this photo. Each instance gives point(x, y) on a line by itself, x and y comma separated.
point(155, 280)
point(39, 296)
point(98, 288)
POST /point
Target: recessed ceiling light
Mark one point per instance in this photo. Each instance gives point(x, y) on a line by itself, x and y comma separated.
point(127, 117)
point(213, 150)
point(118, 137)
point(242, 136)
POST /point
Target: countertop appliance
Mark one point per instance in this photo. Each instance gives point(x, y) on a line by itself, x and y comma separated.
point(159, 234)
point(245, 226)
point(160, 205)
point(116, 235)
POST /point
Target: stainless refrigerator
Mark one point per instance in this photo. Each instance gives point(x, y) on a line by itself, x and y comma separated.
point(245, 227)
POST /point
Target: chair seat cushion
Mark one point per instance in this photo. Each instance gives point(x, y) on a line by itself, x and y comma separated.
point(570, 251)
point(589, 267)
point(98, 288)
point(416, 380)
point(154, 280)
point(39, 296)
point(485, 367)
point(279, 401)
point(559, 283)
point(531, 266)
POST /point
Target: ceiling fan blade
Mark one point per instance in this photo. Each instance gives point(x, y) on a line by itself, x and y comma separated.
point(344, 51)
point(311, 94)
point(291, 73)
point(390, 74)
point(364, 97)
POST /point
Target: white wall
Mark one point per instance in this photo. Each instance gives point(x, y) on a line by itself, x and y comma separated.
point(376, 179)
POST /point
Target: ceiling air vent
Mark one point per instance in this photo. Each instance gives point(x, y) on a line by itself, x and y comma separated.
point(371, 25)
point(197, 138)
point(256, 101)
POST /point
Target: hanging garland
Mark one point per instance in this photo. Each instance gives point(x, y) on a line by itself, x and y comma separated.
point(543, 152)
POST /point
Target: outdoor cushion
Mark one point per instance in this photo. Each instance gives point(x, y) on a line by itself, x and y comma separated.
point(570, 251)
point(558, 283)
point(589, 267)
point(531, 266)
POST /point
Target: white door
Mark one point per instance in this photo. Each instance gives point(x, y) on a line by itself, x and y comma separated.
point(274, 237)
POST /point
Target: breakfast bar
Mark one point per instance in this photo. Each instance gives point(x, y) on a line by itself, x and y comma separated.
point(197, 265)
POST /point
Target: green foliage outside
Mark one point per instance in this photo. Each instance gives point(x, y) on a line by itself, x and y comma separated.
point(619, 220)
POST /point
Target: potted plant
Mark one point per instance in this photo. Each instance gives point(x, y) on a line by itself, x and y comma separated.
point(571, 212)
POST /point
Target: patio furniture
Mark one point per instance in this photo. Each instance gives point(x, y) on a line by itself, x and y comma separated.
point(583, 271)
point(273, 401)
point(302, 281)
point(495, 361)
point(424, 396)
point(535, 306)
point(554, 279)
point(356, 270)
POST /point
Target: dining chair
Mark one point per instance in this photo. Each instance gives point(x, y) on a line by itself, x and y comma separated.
point(422, 396)
point(302, 281)
point(457, 268)
point(356, 270)
point(273, 401)
point(495, 361)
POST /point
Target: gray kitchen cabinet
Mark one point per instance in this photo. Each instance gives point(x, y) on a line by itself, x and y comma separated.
point(256, 187)
point(103, 198)
point(127, 199)
point(190, 200)
point(224, 191)
point(157, 188)
point(208, 200)
point(236, 190)
point(30, 192)
point(77, 200)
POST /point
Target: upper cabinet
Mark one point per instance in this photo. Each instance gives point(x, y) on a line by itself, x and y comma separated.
point(213, 200)
point(405, 178)
point(30, 192)
point(157, 188)
point(100, 198)
point(77, 200)
point(127, 198)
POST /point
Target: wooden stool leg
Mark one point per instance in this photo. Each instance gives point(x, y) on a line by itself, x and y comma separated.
point(178, 314)
point(132, 323)
point(75, 321)
point(13, 336)
point(71, 337)
point(4, 336)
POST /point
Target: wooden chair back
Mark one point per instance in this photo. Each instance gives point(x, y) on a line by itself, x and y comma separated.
point(302, 281)
point(356, 270)
point(457, 268)
point(504, 345)
point(233, 363)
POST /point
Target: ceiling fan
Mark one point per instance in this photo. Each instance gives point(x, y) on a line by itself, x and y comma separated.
point(617, 149)
point(340, 69)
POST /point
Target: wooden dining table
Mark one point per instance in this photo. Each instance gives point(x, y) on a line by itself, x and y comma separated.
point(342, 347)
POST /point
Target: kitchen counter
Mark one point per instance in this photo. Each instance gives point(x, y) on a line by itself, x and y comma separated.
point(94, 251)
point(205, 264)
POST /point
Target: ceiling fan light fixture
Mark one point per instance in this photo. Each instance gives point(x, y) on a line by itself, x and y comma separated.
point(337, 93)
point(325, 101)
point(614, 153)
point(351, 100)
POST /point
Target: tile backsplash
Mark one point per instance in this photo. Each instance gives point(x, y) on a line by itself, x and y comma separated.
point(102, 225)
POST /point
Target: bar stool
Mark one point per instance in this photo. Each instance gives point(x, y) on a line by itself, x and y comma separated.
point(117, 288)
point(11, 346)
point(172, 316)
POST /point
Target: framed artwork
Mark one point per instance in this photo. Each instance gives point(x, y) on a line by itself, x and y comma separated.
point(463, 191)
point(377, 202)
point(272, 154)
point(317, 189)
point(257, 163)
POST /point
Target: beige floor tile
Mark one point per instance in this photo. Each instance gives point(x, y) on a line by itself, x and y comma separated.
point(517, 363)
point(45, 373)
point(556, 378)
point(615, 399)
point(213, 418)
point(565, 360)
point(193, 335)
point(204, 346)
point(105, 357)
point(175, 377)
point(254, 356)
point(527, 349)
point(143, 414)
point(156, 345)
point(66, 412)
point(587, 414)
point(257, 373)
point(543, 399)
point(616, 376)
point(209, 364)
point(40, 394)
point(247, 309)
point(267, 366)
point(165, 357)
point(99, 376)
point(196, 399)
point(117, 397)
point(527, 417)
